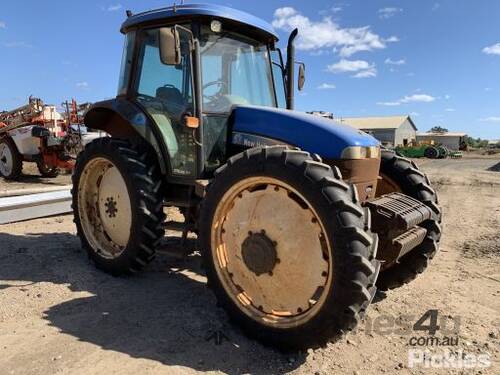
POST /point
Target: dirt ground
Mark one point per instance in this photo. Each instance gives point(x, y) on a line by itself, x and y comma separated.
point(60, 315)
point(31, 179)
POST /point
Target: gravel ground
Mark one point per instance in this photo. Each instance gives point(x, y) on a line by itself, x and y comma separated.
point(60, 315)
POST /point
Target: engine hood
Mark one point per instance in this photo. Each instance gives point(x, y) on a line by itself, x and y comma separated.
point(314, 134)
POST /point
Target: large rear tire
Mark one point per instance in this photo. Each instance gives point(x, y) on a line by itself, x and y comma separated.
point(11, 161)
point(118, 205)
point(403, 175)
point(287, 248)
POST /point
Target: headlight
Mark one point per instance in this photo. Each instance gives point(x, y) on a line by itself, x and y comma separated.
point(359, 152)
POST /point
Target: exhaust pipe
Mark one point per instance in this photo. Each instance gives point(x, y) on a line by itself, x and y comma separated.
point(290, 70)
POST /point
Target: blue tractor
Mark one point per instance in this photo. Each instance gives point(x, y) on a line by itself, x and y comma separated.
point(298, 219)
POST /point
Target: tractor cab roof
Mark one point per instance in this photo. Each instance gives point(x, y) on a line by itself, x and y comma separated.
point(178, 13)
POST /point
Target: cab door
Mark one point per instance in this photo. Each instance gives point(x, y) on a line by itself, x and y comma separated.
point(166, 93)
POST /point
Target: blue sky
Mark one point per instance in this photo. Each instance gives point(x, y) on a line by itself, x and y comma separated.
point(436, 60)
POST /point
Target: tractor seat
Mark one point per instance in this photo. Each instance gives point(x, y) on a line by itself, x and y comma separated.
point(172, 100)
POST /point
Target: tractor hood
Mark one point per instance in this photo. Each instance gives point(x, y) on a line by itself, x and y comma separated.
point(314, 134)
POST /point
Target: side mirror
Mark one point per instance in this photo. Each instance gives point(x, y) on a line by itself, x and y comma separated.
point(170, 46)
point(302, 76)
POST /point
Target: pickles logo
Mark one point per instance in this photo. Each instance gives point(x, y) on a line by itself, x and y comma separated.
point(447, 359)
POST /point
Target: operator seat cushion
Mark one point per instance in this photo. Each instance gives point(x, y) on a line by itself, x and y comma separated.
point(173, 101)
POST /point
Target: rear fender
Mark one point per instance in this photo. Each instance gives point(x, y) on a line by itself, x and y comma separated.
point(124, 119)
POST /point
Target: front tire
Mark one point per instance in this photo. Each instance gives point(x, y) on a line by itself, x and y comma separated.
point(118, 205)
point(287, 248)
point(46, 171)
point(11, 161)
point(403, 175)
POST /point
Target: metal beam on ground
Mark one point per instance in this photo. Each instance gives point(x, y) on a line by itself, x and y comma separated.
point(34, 206)
point(17, 192)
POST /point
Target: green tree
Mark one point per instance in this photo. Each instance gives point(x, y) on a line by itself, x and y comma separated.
point(438, 129)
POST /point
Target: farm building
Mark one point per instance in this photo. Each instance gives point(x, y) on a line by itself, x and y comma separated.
point(453, 141)
point(390, 131)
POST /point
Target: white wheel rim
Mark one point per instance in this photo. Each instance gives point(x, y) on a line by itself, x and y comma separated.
point(300, 279)
point(104, 208)
point(6, 159)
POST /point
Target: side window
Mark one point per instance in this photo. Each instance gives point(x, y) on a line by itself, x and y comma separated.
point(165, 91)
point(279, 78)
point(128, 50)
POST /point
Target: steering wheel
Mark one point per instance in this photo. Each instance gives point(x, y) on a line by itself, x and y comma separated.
point(220, 83)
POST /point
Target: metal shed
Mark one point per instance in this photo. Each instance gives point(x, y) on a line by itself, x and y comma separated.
point(390, 130)
point(452, 141)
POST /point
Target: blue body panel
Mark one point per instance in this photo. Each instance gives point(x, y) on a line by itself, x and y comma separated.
point(311, 133)
point(196, 10)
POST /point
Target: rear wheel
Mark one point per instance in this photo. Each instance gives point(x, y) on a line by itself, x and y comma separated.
point(11, 161)
point(118, 206)
point(286, 247)
point(402, 175)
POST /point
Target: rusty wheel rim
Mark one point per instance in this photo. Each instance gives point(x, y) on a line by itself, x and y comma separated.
point(104, 208)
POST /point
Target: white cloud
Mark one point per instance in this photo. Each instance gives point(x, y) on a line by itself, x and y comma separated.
point(415, 98)
point(392, 39)
point(415, 114)
point(349, 66)
point(363, 69)
point(333, 9)
point(114, 8)
point(488, 89)
point(389, 104)
point(386, 13)
point(3, 25)
point(490, 119)
point(422, 98)
point(447, 97)
point(326, 86)
point(82, 85)
point(17, 45)
point(492, 50)
point(389, 61)
point(327, 34)
point(450, 109)
point(366, 73)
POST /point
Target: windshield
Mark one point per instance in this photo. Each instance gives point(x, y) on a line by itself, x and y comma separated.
point(235, 71)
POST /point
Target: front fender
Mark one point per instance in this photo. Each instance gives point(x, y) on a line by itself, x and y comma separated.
point(124, 119)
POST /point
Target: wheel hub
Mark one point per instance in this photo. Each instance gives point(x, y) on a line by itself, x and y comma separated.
point(111, 208)
point(259, 253)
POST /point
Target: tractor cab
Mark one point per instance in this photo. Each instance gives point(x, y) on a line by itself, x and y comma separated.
point(188, 67)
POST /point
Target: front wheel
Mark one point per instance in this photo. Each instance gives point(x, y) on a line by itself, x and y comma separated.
point(117, 204)
point(287, 247)
point(399, 174)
